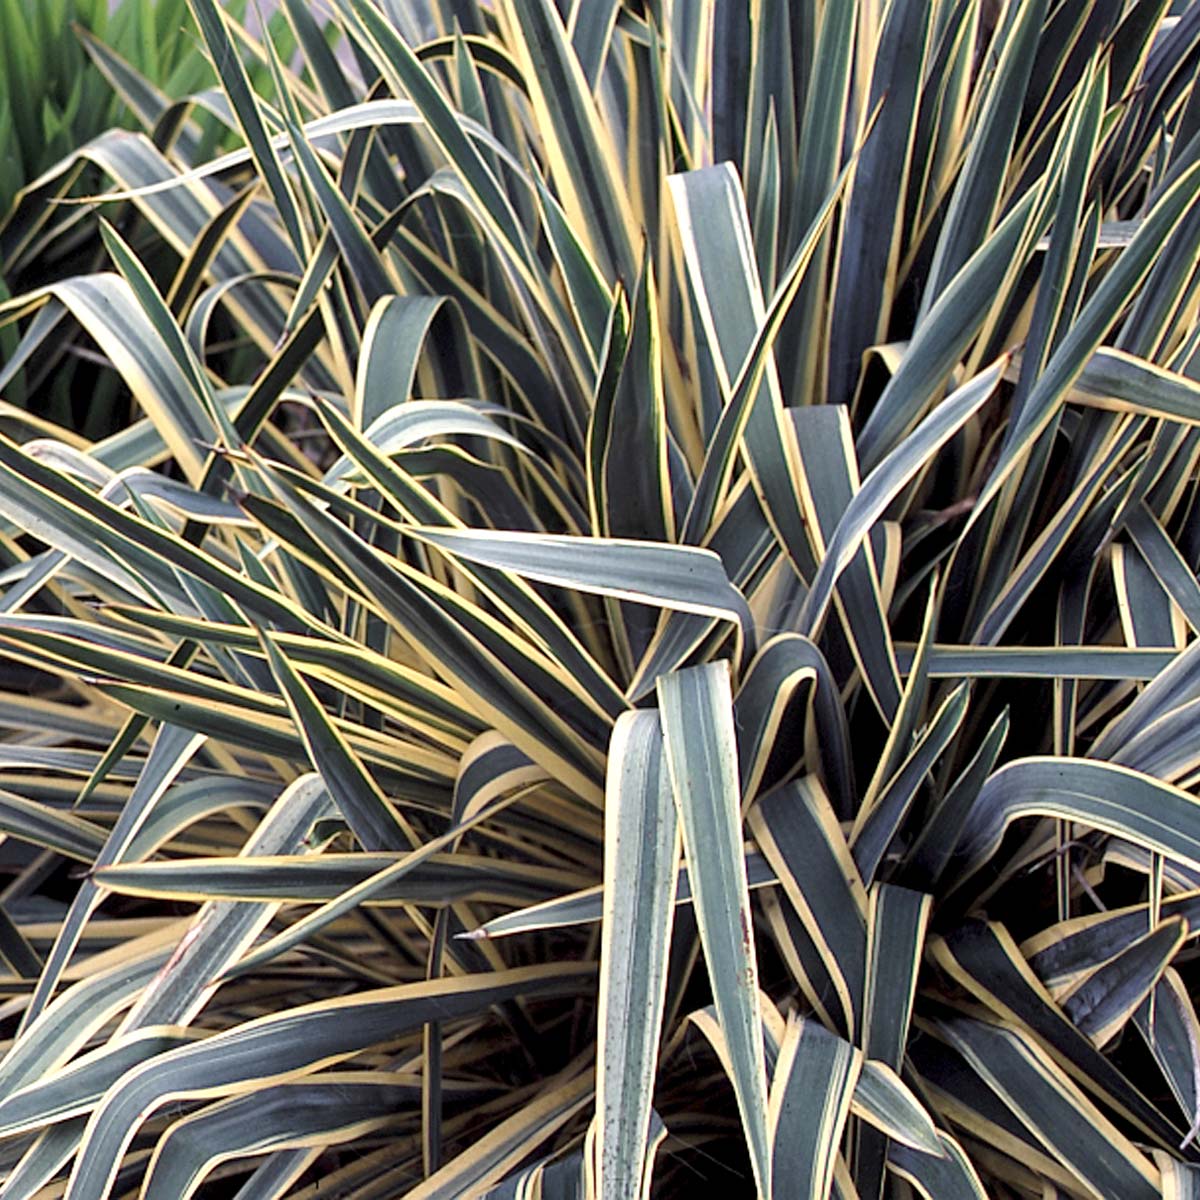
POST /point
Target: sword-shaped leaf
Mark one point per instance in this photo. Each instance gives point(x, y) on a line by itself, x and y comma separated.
point(897, 920)
point(580, 908)
point(815, 1077)
point(1102, 795)
point(334, 1108)
point(366, 809)
point(1054, 1110)
point(683, 578)
point(641, 866)
point(800, 836)
point(288, 1044)
point(1102, 1003)
point(696, 707)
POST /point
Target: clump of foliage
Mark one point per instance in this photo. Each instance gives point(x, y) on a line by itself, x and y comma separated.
point(643, 635)
point(50, 102)
point(57, 59)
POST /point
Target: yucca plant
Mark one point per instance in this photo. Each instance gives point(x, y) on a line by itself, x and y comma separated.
point(643, 636)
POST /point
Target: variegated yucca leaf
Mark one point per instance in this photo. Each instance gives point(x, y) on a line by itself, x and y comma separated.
point(641, 632)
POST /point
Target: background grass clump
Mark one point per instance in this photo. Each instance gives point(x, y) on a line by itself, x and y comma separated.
point(640, 634)
point(57, 64)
